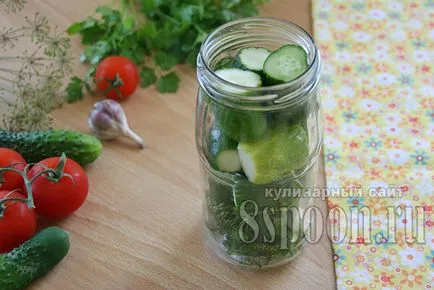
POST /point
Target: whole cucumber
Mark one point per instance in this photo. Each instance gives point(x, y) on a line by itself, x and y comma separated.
point(222, 151)
point(240, 125)
point(36, 146)
point(33, 259)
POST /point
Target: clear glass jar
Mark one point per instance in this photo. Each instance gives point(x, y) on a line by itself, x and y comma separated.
point(247, 219)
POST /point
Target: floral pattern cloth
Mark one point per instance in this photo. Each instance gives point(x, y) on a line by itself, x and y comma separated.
point(378, 99)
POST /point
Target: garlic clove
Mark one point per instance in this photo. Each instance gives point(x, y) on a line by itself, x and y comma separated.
point(108, 121)
point(133, 135)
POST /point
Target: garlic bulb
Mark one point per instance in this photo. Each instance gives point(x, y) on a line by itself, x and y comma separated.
point(108, 121)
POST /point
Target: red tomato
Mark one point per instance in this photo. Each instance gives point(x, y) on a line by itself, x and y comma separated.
point(12, 180)
point(18, 223)
point(58, 199)
point(116, 77)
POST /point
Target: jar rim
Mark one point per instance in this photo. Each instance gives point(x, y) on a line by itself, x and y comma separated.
point(204, 60)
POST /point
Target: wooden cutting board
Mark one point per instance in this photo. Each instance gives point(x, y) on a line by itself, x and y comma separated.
point(141, 227)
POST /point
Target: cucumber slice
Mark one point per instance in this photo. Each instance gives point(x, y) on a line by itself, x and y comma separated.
point(226, 62)
point(252, 58)
point(285, 64)
point(267, 160)
point(240, 77)
point(223, 151)
point(228, 161)
point(240, 125)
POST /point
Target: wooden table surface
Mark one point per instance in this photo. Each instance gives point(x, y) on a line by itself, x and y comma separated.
point(141, 227)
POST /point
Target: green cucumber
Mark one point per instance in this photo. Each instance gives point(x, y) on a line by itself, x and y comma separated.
point(240, 77)
point(285, 149)
point(280, 194)
point(33, 259)
point(285, 64)
point(297, 114)
point(240, 125)
point(252, 59)
point(223, 151)
point(36, 146)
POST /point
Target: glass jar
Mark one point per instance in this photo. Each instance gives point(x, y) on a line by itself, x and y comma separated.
point(258, 147)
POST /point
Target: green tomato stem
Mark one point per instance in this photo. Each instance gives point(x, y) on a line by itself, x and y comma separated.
point(3, 201)
point(56, 173)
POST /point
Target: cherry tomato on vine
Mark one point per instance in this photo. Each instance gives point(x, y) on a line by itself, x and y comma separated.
point(18, 223)
point(56, 198)
point(12, 180)
point(116, 77)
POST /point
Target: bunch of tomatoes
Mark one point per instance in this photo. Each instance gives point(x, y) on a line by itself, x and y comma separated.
point(54, 198)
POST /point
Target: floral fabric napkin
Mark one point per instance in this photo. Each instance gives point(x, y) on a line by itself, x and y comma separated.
point(378, 97)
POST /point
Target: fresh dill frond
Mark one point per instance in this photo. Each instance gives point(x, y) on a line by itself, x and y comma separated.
point(13, 6)
point(31, 79)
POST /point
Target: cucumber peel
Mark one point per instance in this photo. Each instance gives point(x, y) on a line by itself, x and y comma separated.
point(33, 259)
point(240, 125)
point(222, 151)
point(36, 146)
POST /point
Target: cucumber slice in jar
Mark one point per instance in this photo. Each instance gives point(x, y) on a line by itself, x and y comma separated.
point(228, 160)
point(252, 59)
point(240, 77)
point(222, 151)
point(265, 161)
point(238, 124)
point(285, 64)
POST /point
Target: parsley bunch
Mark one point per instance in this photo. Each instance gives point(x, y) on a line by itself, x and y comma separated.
point(155, 34)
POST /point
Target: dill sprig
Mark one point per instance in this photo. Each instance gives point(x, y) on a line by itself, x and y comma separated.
point(31, 79)
point(13, 6)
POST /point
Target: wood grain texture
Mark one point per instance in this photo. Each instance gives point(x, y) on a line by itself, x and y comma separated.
point(141, 227)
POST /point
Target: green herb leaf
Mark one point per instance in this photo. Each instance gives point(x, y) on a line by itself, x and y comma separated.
point(137, 55)
point(89, 22)
point(165, 61)
point(229, 15)
point(92, 35)
point(74, 28)
point(74, 90)
point(192, 57)
point(168, 35)
point(148, 6)
point(128, 23)
point(97, 52)
point(109, 15)
point(247, 10)
point(168, 31)
point(168, 83)
point(228, 4)
point(147, 77)
point(189, 14)
point(148, 30)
